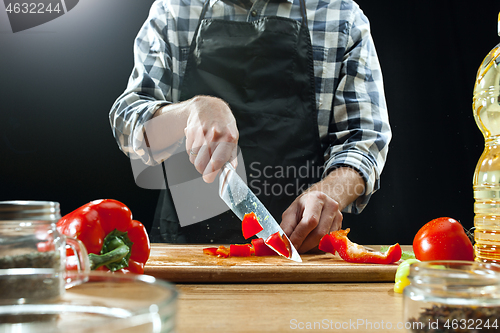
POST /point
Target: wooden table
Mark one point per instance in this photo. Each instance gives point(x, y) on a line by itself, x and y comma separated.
point(332, 307)
point(321, 294)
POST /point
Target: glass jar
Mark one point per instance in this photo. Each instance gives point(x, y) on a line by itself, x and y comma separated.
point(29, 239)
point(452, 296)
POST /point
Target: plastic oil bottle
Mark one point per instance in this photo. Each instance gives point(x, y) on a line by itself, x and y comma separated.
point(486, 183)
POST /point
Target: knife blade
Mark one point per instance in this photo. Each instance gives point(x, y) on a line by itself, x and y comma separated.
point(241, 200)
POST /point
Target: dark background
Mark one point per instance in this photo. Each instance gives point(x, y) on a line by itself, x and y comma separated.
point(59, 80)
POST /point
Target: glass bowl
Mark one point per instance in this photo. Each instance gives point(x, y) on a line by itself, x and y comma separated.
point(97, 302)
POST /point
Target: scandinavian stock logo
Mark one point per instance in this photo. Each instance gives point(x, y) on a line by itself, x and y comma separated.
point(24, 14)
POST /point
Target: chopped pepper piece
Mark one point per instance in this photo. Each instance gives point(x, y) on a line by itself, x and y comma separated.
point(326, 244)
point(352, 252)
point(404, 254)
point(279, 243)
point(210, 250)
point(250, 225)
point(240, 250)
point(222, 251)
point(401, 279)
point(113, 240)
point(261, 249)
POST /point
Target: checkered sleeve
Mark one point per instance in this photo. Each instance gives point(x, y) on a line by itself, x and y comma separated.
point(359, 131)
point(148, 86)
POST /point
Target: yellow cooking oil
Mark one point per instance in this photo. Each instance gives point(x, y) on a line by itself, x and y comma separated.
point(486, 183)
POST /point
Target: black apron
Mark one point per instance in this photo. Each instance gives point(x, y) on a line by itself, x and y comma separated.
point(264, 71)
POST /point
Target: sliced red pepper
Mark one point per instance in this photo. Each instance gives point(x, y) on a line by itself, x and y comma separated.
point(352, 252)
point(326, 244)
point(109, 234)
point(222, 251)
point(279, 243)
point(210, 250)
point(240, 250)
point(250, 225)
point(261, 249)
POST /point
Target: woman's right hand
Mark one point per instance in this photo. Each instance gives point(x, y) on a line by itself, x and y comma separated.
point(211, 135)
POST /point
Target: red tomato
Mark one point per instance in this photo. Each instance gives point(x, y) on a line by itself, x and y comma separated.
point(442, 239)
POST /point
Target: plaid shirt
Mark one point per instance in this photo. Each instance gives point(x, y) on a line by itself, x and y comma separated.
point(352, 114)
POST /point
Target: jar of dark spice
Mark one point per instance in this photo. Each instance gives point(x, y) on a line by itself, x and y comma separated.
point(453, 296)
point(29, 241)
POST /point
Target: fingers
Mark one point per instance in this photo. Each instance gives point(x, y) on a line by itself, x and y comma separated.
point(220, 155)
point(331, 219)
point(308, 221)
point(337, 222)
point(289, 219)
point(320, 215)
point(208, 156)
point(234, 156)
point(211, 137)
point(194, 142)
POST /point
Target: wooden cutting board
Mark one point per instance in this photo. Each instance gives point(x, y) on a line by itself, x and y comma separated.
point(188, 264)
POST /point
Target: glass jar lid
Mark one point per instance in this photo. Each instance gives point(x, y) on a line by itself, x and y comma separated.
point(29, 210)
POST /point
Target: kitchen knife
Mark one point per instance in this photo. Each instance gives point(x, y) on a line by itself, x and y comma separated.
point(241, 200)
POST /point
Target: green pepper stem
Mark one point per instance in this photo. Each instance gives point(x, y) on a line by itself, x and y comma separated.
point(113, 256)
point(115, 252)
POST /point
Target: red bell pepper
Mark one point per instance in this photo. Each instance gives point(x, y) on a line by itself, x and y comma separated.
point(250, 225)
point(279, 243)
point(256, 248)
point(234, 250)
point(210, 250)
point(222, 251)
point(113, 240)
point(326, 244)
point(337, 241)
point(240, 250)
point(261, 249)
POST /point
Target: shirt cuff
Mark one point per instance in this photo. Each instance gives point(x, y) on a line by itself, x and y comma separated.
point(365, 167)
point(140, 146)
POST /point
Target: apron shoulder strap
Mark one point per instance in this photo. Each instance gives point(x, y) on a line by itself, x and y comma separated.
point(303, 12)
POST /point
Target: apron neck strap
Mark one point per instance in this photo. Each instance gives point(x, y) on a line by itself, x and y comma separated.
point(203, 12)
